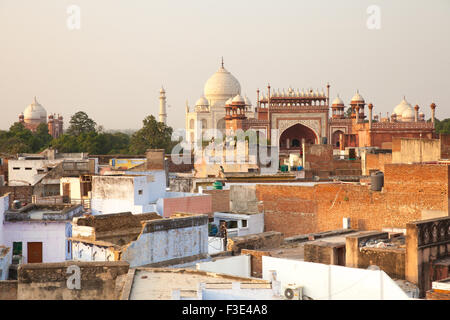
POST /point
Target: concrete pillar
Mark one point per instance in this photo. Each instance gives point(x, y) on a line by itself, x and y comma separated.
point(416, 113)
point(370, 106)
point(357, 114)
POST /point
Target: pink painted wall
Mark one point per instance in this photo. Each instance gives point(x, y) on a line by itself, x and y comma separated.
point(197, 204)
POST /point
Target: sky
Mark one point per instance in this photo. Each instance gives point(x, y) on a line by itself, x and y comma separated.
point(113, 66)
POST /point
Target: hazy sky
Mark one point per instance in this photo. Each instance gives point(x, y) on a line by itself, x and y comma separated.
point(113, 67)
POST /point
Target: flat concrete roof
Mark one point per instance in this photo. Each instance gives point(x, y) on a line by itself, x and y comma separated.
point(158, 283)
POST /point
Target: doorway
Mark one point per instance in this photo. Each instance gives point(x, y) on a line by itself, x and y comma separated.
point(34, 252)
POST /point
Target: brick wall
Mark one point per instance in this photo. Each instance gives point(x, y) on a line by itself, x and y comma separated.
point(256, 261)
point(376, 161)
point(182, 167)
point(409, 189)
point(22, 193)
point(220, 200)
point(266, 240)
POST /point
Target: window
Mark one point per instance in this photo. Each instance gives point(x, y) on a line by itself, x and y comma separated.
point(140, 192)
point(16, 168)
point(232, 224)
point(244, 223)
point(39, 171)
point(17, 248)
point(27, 168)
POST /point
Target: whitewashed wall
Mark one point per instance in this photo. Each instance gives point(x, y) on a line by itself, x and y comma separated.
point(255, 222)
point(22, 176)
point(238, 266)
point(165, 245)
point(75, 187)
point(329, 282)
point(87, 252)
point(5, 262)
point(124, 195)
point(51, 234)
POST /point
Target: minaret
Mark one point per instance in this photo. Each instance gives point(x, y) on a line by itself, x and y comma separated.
point(162, 106)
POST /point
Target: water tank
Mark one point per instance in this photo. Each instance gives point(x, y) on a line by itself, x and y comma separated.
point(217, 185)
point(376, 181)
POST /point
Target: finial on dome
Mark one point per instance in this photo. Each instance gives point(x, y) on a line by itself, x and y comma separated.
point(222, 61)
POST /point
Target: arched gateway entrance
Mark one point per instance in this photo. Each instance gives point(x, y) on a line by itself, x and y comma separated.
point(291, 138)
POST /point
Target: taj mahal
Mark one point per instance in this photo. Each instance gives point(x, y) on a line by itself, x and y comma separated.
point(301, 115)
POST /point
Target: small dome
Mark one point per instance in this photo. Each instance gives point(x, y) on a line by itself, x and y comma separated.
point(228, 102)
point(357, 97)
point(202, 102)
point(408, 114)
point(238, 99)
point(338, 102)
point(402, 106)
point(35, 111)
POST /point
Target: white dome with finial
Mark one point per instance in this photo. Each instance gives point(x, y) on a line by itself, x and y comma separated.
point(35, 111)
point(401, 107)
point(238, 99)
point(221, 86)
point(338, 101)
point(357, 97)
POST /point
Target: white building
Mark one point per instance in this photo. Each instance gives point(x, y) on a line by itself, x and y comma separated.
point(37, 233)
point(209, 110)
point(122, 193)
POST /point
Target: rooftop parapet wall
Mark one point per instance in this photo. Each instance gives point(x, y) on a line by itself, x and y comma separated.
point(426, 242)
point(34, 212)
point(48, 281)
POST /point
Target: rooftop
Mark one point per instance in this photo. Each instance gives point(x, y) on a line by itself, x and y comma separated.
point(158, 283)
point(43, 213)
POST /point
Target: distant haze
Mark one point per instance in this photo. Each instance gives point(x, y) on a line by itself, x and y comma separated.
point(113, 67)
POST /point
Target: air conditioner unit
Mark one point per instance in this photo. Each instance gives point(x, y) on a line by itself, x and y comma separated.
point(293, 293)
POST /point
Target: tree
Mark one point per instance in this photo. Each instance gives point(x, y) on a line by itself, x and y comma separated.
point(348, 113)
point(81, 123)
point(442, 126)
point(153, 135)
point(43, 138)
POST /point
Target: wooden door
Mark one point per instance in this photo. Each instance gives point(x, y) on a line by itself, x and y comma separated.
point(66, 189)
point(34, 252)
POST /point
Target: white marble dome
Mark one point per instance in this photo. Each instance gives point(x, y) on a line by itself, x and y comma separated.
point(401, 107)
point(408, 114)
point(221, 86)
point(238, 99)
point(202, 102)
point(337, 101)
point(357, 97)
point(35, 111)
